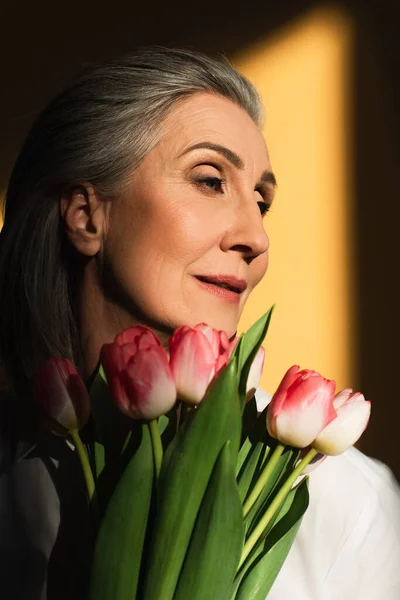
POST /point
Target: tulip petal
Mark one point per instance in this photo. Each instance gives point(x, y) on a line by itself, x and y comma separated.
point(342, 397)
point(256, 369)
point(178, 335)
point(139, 375)
point(224, 343)
point(113, 358)
point(149, 385)
point(222, 361)
point(300, 422)
point(301, 407)
point(345, 430)
point(131, 335)
point(297, 429)
point(218, 340)
point(193, 365)
point(279, 397)
point(212, 336)
point(79, 396)
point(62, 395)
point(309, 392)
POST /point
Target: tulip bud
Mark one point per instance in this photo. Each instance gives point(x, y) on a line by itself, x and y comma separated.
point(138, 374)
point(62, 396)
point(196, 356)
point(256, 369)
point(353, 413)
point(301, 407)
point(255, 373)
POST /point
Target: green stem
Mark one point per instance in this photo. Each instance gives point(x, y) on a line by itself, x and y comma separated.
point(262, 480)
point(275, 504)
point(157, 445)
point(83, 457)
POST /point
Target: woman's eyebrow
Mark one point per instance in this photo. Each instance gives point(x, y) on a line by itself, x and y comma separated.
point(232, 157)
point(268, 177)
point(228, 154)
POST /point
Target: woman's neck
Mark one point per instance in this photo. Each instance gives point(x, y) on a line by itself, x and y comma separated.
point(100, 319)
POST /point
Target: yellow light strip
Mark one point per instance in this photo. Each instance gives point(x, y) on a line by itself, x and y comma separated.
point(302, 75)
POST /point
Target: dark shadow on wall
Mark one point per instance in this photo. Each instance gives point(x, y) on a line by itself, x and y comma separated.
point(43, 47)
point(377, 232)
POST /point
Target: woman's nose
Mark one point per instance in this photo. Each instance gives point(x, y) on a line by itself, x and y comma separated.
point(246, 233)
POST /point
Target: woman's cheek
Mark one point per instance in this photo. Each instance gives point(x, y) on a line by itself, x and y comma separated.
point(260, 268)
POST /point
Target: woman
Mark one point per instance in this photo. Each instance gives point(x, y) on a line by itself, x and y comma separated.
point(139, 197)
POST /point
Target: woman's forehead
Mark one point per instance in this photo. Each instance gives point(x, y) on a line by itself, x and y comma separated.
point(210, 119)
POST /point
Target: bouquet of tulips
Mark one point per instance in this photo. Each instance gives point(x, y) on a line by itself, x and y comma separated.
point(193, 493)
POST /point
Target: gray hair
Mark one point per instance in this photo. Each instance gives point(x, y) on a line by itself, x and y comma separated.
point(97, 130)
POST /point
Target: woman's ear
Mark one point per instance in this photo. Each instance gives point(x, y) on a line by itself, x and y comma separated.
point(84, 215)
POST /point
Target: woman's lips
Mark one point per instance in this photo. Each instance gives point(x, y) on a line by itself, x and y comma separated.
point(213, 285)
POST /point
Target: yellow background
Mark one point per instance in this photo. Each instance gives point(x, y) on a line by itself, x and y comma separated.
point(302, 76)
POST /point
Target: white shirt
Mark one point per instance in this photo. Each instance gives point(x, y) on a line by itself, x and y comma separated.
point(348, 544)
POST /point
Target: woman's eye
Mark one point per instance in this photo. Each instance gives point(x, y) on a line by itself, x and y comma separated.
point(264, 207)
point(212, 183)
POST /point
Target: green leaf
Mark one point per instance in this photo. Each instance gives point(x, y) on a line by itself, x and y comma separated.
point(255, 431)
point(252, 468)
point(187, 467)
point(259, 573)
point(118, 550)
point(249, 418)
point(254, 337)
point(167, 425)
point(111, 438)
point(96, 456)
point(216, 543)
point(252, 458)
point(99, 458)
point(163, 422)
point(279, 474)
point(112, 426)
point(247, 348)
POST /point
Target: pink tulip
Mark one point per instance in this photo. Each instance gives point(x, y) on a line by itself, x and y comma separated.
point(219, 344)
point(197, 355)
point(301, 407)
point(62, 396)
point(255, 372)
point(353, 413)
point(138, 374)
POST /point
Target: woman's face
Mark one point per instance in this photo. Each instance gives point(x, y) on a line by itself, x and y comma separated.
point(186, 243)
